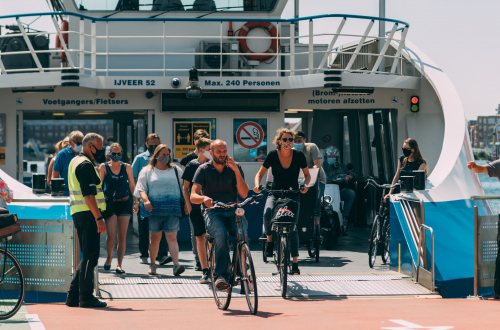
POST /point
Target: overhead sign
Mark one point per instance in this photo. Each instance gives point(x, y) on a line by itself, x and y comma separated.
point(249, 135)
point(183, 134)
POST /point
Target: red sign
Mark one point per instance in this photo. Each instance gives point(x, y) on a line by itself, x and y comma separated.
point(249, 135)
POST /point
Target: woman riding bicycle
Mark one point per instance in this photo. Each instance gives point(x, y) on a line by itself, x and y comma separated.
point(285, 164)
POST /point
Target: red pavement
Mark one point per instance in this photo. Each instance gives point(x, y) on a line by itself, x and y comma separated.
point(358, 313)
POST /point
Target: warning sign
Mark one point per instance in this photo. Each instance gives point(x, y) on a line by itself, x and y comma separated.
point(249, 135)
point(183, 135)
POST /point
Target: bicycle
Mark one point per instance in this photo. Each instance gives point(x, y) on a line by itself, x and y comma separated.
point(281, 230)
point(11, 275)
point(380, 235)
point(242, 270)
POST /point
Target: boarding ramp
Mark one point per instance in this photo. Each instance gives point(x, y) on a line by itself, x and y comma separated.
point(340, 274)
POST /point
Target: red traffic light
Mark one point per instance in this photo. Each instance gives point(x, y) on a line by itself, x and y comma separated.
point(414, 100)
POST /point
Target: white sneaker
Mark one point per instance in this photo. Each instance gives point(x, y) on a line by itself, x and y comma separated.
point(144, 261)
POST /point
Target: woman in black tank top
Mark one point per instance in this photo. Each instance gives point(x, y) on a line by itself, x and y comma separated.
point(410, 161)
point(118, 185)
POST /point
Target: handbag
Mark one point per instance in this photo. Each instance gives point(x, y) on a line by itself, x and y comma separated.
point(182, 201)
point(9, 225)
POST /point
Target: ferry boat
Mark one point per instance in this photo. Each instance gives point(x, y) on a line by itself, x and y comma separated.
point(239, 70)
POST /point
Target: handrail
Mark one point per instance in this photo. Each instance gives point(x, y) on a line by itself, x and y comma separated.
point(433, 276)
point(93, 47)
point(206, 19)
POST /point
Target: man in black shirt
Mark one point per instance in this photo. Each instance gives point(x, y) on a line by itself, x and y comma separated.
point(219, 180)
point(86, 206)
point(194, 210)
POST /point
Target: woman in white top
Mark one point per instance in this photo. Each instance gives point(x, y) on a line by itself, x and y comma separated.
point(158, 186)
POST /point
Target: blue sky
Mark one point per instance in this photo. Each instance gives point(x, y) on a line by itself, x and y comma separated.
point(460, 36)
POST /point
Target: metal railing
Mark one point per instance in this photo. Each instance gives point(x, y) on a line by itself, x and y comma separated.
point(161, 46)
point(424, 276)
point(485, 242)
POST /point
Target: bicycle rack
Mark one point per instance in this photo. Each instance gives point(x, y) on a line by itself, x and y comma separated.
point(425, 277)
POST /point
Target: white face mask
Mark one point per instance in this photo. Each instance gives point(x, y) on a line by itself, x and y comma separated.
point(207, 155)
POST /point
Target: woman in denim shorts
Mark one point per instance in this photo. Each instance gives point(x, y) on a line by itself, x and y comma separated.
point(118, 185)
point(158, 186)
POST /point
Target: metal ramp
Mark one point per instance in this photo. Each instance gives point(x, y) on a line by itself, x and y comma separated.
point(302, 286)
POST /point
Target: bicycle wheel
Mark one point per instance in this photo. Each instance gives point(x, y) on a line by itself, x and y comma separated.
point(248, 279)
point(372, 250)
point(316, 241)
point(386, 238)
point(11, 285)
point(283, 262)
point(222, 297)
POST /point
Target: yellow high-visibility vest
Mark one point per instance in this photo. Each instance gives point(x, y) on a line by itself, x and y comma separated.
point(76, 199)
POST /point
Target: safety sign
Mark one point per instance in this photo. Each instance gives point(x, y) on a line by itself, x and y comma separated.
point(249, 135)
point(183, 135)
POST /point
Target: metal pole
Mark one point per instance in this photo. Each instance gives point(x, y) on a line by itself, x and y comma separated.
point(381, 30)
point(296, 15)
point(476, 252)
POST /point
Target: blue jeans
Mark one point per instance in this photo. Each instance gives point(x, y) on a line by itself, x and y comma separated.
point(268, 214)
point(221, 224)
point(348, 196)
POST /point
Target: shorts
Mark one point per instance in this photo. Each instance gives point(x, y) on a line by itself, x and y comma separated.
point(166, 223)
point(197, 221)
point(118, 208)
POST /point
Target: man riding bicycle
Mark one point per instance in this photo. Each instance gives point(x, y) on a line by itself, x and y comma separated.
point(221, 180)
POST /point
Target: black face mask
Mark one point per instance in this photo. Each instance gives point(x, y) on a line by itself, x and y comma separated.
point(151, 149)
point(406, 152)
point(99, 155)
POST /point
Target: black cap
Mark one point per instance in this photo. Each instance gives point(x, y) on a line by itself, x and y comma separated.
point(300, 134)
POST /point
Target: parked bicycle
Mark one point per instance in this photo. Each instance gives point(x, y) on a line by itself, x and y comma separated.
point(381, 229)
point(282, 224)
point(241, 267)
point(11, 275)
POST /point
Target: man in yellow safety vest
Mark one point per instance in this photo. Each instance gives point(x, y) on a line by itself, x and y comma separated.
point(86, 206)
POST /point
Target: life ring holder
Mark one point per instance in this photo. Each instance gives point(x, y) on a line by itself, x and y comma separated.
point(273, 33)
point(64, 34)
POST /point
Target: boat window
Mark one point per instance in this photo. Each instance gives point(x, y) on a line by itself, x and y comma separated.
point(178, 5)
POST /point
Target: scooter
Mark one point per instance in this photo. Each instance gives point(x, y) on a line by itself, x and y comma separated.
point(331, 221)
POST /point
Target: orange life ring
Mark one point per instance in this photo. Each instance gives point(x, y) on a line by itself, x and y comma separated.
point(64, 29)
point(273, 33)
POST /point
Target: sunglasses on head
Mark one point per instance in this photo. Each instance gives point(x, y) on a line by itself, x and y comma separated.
point(116, 154)
point(287, 139)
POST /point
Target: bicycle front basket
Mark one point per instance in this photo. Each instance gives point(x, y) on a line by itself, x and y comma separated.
point(9, 225)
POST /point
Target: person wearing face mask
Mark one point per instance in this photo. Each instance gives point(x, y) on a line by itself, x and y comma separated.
point(345, 178)
point(286, 164)
point(220, 180)
point(314, 159)
point(159, 187)
point(141, 160)
point(64, 157)
point(87, 204)
point(194, 210)
point(410, 161)
point(118, 185)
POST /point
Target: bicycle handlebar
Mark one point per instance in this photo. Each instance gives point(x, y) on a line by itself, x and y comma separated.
point(221, 205)
point(372, 182)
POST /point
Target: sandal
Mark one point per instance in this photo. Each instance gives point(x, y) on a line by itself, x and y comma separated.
point(119, 270)
point(107, 267)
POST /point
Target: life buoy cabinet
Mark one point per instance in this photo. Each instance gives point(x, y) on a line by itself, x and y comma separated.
point(64, 29)
point(273, 33)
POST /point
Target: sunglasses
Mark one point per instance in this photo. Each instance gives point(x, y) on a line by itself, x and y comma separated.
point(287, 139)
point(116, 154)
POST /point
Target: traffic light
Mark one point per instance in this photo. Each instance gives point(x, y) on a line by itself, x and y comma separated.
point(414, 103)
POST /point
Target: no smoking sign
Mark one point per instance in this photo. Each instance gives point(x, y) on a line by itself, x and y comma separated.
point(249, 135)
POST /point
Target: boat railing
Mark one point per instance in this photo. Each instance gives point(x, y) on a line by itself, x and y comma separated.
point(172, 46)
point(486, 220)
